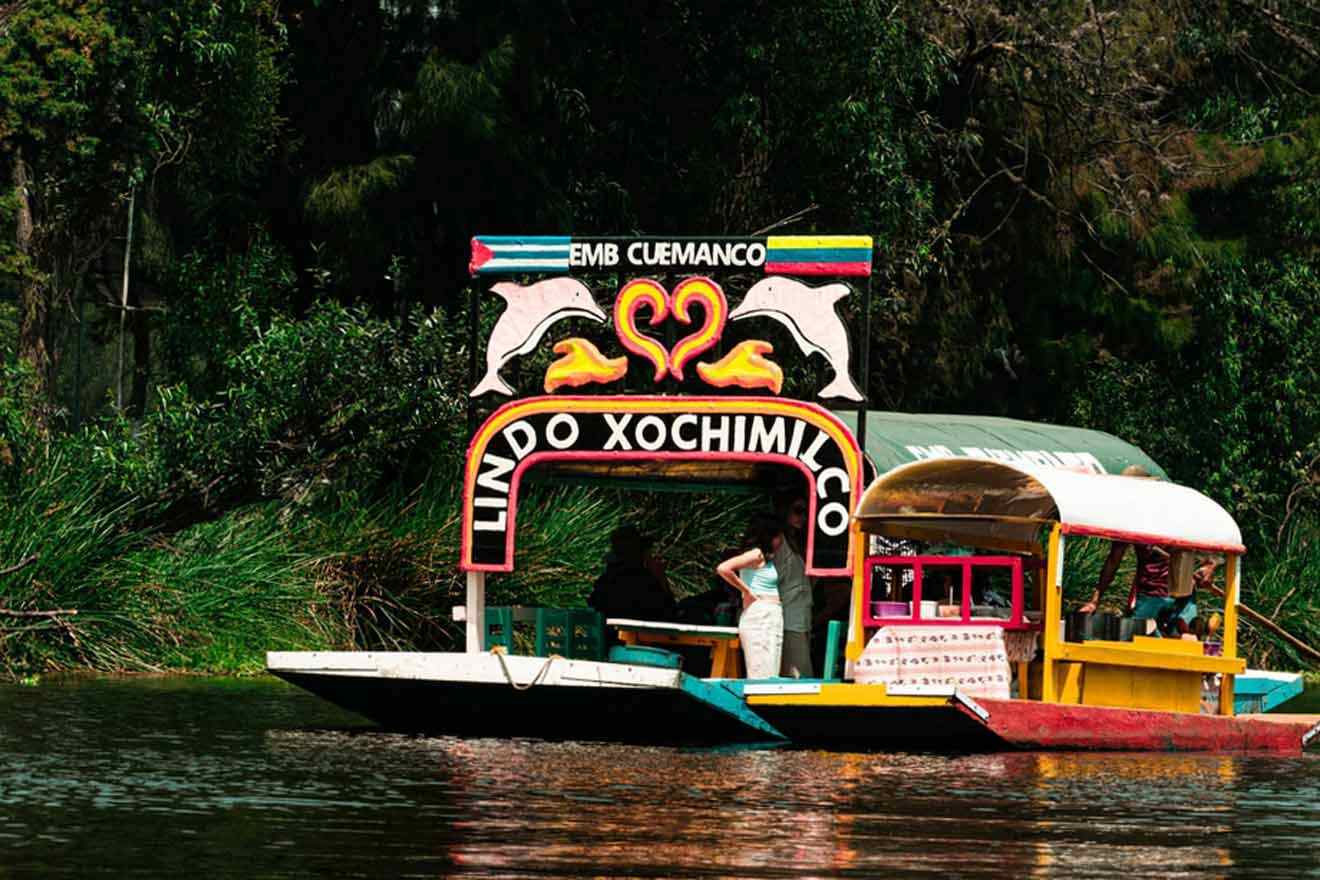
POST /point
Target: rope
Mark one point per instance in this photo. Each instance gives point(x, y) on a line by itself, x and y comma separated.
point(500, 651)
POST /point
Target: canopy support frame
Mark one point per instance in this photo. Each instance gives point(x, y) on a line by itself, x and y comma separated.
point(475, 610)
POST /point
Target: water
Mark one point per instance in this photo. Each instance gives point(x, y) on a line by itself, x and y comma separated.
point(212, 778)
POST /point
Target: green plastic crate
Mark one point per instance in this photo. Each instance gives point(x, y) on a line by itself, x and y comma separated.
point(575, 633)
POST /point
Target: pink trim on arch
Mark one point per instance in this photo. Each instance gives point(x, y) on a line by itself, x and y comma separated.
point(553, 455)
point(1146, 538)
point(717, 405)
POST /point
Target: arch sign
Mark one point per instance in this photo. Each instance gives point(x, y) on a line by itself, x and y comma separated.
point(692, 305)
point(614, 428)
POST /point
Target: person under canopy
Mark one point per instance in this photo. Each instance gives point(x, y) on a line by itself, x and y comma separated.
point(633, 584)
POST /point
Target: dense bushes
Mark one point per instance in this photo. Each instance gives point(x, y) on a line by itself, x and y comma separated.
point(1104, 219)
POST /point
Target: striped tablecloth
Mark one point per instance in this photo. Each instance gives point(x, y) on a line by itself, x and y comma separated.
point(971, 658)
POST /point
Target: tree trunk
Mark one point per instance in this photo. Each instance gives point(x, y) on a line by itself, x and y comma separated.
point(137, 401)
point(33, 304)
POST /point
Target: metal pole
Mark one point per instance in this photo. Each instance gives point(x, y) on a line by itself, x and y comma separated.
point(866, 366)
point(472, 355)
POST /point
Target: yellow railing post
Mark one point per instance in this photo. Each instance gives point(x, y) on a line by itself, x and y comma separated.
point(1232, 577)
point(1051, 614)
point(860, 541)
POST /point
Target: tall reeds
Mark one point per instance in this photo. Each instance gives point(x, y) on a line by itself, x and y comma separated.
point(108, 593)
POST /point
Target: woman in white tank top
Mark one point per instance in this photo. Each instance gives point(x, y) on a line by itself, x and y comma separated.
point(753, 574)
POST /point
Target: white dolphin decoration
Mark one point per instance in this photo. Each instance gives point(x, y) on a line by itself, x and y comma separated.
point(808, 313)
point(529, 313)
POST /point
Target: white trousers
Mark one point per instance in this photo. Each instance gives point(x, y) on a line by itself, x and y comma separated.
point(761, 632)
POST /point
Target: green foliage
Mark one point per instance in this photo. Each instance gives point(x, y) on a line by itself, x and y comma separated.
point(1235, 413)
point(346, 193)
point(335, 402)
point(21, 436)
point(1107, 217)
point(381, 575)
point(234, 299)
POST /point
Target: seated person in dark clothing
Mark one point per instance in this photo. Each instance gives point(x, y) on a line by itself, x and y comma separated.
point(632, 584)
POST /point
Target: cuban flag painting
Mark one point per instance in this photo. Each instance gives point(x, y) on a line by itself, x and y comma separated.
point(818, 255)
point(496, 254)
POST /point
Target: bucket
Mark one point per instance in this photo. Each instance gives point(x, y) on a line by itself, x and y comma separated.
point(929, 610)
point(890, 609)
point(1078, 627)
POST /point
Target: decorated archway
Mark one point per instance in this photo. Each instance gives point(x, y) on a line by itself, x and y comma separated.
point(526, 432)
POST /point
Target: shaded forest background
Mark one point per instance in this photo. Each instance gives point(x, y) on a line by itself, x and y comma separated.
point(233, 245)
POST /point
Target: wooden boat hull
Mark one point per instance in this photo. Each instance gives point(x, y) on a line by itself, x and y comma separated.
point(1027, 724)
point(553, 698)
point(866, 716)
point(492, 695)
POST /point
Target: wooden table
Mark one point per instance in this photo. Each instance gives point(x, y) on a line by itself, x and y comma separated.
point(725, 656)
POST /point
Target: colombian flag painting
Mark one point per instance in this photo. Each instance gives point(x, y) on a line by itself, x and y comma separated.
point(818, 255)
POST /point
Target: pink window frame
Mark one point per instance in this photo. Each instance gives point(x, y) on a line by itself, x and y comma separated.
point(1015, 620)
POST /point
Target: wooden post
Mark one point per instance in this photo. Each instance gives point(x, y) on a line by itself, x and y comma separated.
point(1051, 614)
point(861, 542)
point(476, 611)
point(1231, 580)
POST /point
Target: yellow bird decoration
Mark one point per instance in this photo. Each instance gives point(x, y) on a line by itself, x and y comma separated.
point(582, 364)
point(744, 366)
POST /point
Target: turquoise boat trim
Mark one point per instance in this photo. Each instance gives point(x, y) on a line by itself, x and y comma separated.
point(719, 695)
point(1256, 692)
point(833, 650)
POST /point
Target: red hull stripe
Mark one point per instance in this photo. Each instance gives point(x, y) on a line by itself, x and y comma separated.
point(1028, 724)
point(862, 269)
point(1144, 538)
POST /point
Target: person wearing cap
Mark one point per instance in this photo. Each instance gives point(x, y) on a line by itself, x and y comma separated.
point(632, 584)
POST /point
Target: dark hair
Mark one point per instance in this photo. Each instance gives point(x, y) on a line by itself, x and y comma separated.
point(762, 531)
point(788, 497)
point(629, 544)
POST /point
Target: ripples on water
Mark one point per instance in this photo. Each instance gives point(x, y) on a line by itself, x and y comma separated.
point(254, 778)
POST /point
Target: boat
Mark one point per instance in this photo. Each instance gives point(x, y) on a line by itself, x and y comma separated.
point(953, 535)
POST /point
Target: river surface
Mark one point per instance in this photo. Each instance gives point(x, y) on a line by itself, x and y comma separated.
point(187, 777)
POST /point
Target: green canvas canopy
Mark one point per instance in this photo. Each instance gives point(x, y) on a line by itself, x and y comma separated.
point(894, 438)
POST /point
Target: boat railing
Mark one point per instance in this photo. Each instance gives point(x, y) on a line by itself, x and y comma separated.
point(942, 591)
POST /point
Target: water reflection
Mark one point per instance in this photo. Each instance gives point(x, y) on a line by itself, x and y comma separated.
point(159, 778)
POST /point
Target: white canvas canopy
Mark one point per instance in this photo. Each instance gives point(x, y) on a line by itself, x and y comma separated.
point(991, 504)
